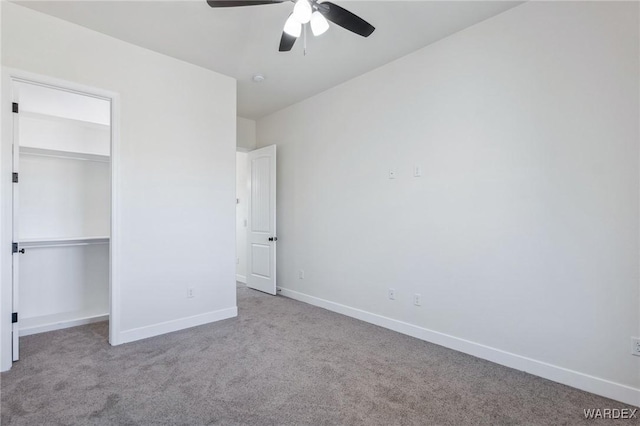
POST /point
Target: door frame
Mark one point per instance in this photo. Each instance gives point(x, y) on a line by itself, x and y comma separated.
point(241, 278)
point(9, 75)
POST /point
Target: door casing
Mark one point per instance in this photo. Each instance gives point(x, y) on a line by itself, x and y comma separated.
point(9, 76)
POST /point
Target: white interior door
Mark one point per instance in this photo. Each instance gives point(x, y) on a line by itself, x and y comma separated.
point(16, 251)
point(261, 235)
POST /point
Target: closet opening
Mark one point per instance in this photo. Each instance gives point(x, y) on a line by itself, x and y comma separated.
point(62, 143)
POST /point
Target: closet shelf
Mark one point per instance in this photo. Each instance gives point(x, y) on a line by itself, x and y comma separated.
point(58, 242)
point(72, 155)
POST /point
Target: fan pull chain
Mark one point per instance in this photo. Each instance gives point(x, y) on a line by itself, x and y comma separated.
point(304, 38)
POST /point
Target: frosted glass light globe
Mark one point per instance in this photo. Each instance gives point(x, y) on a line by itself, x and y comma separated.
point(302, 11)
point(292, 26)
point(319, 24)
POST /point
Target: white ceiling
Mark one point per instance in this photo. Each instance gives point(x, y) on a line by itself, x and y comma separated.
point(240, 42)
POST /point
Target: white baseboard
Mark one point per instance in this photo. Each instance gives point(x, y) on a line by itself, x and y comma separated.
point(59, 325)
point(241, 278)
point(175, 325)
point(585, 382)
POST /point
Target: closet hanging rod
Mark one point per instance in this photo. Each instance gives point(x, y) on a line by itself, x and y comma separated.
point(88, 243)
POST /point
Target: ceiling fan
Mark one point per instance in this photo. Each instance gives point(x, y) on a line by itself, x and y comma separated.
point(307, 11)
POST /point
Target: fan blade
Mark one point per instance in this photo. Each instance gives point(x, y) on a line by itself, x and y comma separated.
point(286, 42)
point(345, 19)
point(236, 3)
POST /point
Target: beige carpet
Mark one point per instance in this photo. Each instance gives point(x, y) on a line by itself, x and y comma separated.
point(280, 362)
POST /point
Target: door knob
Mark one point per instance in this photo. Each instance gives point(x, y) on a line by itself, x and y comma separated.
point(273, 238)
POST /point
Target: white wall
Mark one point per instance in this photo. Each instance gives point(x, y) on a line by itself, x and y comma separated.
point(59, 103)
point(63, 198)
point(175, 170)
point(40, 131)
point(521, 235)
point(246, 133)
point(242, 212)
point(66, 281)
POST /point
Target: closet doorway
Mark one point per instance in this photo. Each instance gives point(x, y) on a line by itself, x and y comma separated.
point(62, 196)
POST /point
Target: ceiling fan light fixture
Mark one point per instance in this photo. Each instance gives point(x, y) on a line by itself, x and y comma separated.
point(292, 26)
point(319, 24)
point(302, 11)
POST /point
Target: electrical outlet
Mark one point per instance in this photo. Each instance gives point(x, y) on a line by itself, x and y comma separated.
point(301, 274)
point(392, 293)
point(417, 299)
point(635, 346)
point(417, 171)
point(191, 292)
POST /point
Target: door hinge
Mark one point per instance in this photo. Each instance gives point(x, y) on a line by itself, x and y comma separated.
point(15, 108)
point(15, 177)
point(14, 317)
point(14, 247)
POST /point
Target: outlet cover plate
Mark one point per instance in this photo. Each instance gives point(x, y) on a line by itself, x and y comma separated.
point(392, 293)
point(635, 346)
